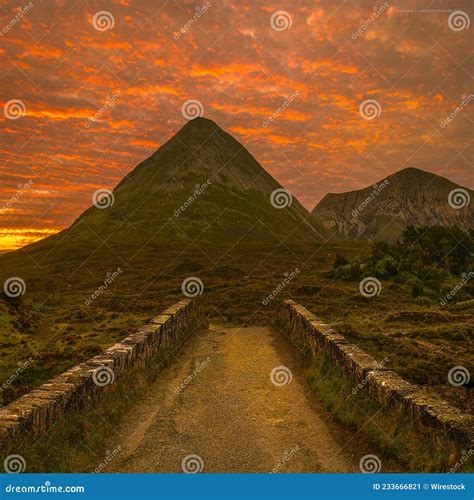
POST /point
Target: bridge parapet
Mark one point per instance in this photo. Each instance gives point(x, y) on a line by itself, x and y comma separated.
point(383, 384)
point(38, 410)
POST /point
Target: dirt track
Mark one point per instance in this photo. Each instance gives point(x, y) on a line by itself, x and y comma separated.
point(217, 401)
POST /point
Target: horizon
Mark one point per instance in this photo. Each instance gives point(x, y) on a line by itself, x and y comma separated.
point(313, 91)
point(309, 207)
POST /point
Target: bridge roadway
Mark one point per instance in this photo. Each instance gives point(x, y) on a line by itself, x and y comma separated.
point(217, 405)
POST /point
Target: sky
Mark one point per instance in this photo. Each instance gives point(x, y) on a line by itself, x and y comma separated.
point(329, 96)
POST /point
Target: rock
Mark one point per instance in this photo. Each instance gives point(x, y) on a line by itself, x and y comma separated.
point(38, 410)
point(386, 386)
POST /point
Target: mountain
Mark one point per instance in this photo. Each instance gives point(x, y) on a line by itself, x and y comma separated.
point(382, 211)
point(201, 187)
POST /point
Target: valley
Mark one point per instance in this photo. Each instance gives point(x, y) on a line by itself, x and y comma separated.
point(200, 218)
point(235, 283)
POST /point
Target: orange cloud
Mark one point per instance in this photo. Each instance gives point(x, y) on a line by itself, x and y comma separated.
point(241, 70)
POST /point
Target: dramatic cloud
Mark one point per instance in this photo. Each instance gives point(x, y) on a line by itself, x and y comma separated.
point(89, 89)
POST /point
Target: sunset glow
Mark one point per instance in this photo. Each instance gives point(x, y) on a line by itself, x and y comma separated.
point(83, 105)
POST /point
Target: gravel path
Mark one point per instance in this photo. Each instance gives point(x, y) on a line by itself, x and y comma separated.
point(215, 408)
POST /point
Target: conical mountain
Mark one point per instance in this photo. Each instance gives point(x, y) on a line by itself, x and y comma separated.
point(382, 211)
point(201, 187)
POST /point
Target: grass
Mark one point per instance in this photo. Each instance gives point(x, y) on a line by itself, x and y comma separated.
point(78, 441)
point(390, 431)
point(53, 324)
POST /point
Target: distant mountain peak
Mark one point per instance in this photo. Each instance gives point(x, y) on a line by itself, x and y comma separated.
point(410, 196)
point(201, 121)
point(412, 172)
point(199, 152)
point(200, 124)
point(201, 187)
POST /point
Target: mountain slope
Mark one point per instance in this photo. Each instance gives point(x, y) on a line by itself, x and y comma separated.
point(202, 187)
point(408, 197)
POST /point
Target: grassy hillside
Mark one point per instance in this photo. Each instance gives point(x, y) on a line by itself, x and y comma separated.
point(422, 342)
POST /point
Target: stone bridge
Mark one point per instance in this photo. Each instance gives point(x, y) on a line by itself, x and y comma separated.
point(228, 396)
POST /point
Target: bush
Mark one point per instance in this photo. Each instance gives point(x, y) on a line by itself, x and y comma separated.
point(416, 287)
point(433, 277)
point(426, 259)
point(386, 268)
point(340, 260)
point(349, 272)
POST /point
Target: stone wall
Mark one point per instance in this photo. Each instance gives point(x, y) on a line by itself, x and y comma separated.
point(38, 410)
point(385, 385)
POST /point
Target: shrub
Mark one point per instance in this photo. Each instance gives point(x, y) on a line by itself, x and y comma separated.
point(416, 287)
point(386, 268)
point(349, 272)
point(340, 260)
point(425, 260)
